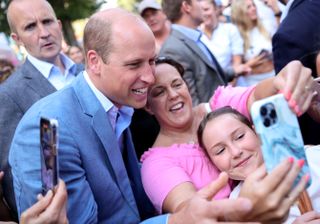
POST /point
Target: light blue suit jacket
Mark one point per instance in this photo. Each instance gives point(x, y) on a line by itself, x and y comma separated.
point(103, 185)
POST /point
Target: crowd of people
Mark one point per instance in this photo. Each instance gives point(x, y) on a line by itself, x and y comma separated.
point(140, 109)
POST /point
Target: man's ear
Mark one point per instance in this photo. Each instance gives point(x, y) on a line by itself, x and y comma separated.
point(93, 61)
point(60, 24)
point(16, 38)
point(185, 7)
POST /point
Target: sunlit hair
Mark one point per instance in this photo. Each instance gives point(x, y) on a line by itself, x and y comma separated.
point(97, 36)
point(170, 61)
point(172, 8)
point(216, 114)
point(240, 18)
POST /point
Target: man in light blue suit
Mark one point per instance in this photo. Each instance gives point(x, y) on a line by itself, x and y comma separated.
point(97, 160)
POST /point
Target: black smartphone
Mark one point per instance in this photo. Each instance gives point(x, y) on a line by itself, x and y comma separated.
point(49, 153)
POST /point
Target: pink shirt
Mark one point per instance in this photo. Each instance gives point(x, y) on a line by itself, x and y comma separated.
point(164, 168)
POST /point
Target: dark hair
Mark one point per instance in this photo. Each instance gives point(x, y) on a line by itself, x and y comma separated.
point(170, 61)
point(214, 114)
point(172, 8)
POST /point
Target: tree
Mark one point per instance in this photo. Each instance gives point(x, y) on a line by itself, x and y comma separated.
point(71, 10)
point(4, 27)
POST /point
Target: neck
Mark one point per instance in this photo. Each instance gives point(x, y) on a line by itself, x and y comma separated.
point(187, 22)
point(162, 34)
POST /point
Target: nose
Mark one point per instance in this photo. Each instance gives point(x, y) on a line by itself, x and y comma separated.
point(172, 93)
point(148, 74)
point(44, 33)
point(235, 151)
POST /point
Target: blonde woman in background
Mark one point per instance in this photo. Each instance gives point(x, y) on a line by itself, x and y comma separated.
point(256, 42)
point(223, 40)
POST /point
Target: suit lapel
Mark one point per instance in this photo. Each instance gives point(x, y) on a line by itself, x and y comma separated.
point(36, 81)
point(102, 127)
point(193, 46)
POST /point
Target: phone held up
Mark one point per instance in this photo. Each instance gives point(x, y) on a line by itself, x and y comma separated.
point(279, 132)
point(49, 153)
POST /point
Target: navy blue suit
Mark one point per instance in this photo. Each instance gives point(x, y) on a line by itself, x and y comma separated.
point(298, 38)
point(298, 34)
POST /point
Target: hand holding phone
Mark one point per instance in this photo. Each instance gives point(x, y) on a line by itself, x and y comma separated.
point(49, 153)
point(279, 132)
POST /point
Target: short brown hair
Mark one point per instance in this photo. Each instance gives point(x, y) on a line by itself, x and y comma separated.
point(172, 8)
point(97, 36)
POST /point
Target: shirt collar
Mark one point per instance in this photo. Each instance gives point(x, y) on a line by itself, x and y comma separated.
point(105, 102)
point(45, 68)
point(192, 34)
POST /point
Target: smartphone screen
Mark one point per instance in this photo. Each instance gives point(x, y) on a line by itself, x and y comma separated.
point(49, 153)
point(279, 132)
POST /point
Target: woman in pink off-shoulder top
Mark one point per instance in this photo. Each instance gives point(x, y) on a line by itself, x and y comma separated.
point(175, 168)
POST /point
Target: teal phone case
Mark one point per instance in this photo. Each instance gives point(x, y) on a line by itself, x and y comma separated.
point(279, 132)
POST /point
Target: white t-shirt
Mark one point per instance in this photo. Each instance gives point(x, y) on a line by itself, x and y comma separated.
point(224, 43)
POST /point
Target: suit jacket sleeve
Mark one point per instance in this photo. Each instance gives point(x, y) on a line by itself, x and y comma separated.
point(24, 159)
point(10, 115)
point(298, 35)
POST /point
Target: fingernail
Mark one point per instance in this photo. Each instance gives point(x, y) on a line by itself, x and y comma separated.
point(49, 193)
point(307, 177)
point(301, 163)
point(39, 196)
point(292, 103)
point(288, 95)
point(297, 110)
point(290, 159)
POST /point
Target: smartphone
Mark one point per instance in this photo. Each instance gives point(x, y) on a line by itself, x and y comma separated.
point(49, 153)
point(279, 132)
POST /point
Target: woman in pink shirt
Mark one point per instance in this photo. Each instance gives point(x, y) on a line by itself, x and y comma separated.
point(176, 167)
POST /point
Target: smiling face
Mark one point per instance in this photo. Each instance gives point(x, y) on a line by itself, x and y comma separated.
point(169, 99)
point(36, 28)
point(126, 72)
point(251, 10)
point(209, 13)
point(234, 149)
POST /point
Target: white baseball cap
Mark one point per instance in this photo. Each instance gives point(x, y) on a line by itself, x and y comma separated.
point(148, 4)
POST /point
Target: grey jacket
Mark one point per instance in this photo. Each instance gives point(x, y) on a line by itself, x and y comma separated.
point(201, 76)
point(17, 94)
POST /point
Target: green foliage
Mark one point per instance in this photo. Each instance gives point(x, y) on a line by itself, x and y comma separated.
point(74, 9)
point(4, 27)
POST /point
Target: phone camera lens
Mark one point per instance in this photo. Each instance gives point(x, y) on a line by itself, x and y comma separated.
point(263, 111)
point(273, 113)
point(267, 122)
